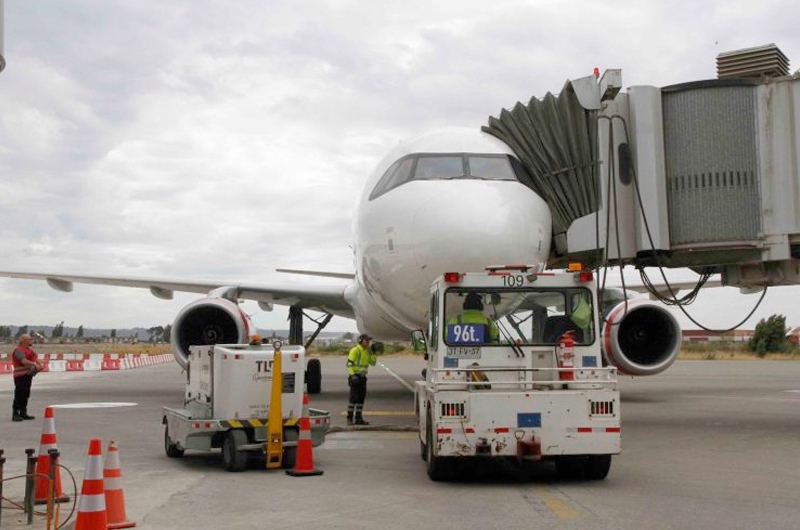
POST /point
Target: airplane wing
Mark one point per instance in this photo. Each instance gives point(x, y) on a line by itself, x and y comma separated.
point(327, 298)
point(325, 274)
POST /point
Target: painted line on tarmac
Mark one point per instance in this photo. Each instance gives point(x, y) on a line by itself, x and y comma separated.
point(561, 508)
point(749, 398)
point(399, 379)
point(93, 405)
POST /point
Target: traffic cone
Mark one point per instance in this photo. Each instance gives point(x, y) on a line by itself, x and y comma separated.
point(48, 441)
point(92, 503)
point(304, 457)
point(115, 496)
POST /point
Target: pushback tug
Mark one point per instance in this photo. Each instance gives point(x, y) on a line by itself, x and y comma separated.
point(516, 372)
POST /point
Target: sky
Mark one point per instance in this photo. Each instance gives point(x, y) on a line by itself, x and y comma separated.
point(214, 140)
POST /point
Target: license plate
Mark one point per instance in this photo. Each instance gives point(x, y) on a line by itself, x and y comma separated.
point(464, 352)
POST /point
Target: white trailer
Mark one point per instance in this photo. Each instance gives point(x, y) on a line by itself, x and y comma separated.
point(227, 403)
point(519, 377)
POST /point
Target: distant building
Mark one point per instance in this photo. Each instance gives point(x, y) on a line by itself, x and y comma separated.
point(702, 335)
point(737, 335)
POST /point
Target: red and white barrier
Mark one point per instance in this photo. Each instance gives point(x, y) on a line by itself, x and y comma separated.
point(76, 362)
point(56, 366)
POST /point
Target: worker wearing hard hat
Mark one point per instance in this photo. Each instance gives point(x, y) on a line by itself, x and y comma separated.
point(360, 358)
point(473, 314)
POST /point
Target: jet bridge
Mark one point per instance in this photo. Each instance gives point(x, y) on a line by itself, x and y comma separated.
point(701, 174)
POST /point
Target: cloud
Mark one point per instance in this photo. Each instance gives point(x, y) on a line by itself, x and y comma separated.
point(210, 140)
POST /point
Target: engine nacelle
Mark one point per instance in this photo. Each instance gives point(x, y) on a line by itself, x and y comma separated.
point(644, 340)
point(208, 321)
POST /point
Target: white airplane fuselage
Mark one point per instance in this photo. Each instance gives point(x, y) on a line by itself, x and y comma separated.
point(419, 229)
point(452, 200)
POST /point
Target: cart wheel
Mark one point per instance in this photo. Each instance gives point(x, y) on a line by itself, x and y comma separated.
point(289, 456)
point(438, 468)
point(597, 467)
point(314, 376)
point(571, 467)
point(232, 458)
point(170, 447)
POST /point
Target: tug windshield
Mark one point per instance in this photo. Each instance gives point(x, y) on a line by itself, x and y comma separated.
point(527, 317)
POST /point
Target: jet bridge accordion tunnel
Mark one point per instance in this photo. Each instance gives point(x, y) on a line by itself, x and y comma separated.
point(701, 174)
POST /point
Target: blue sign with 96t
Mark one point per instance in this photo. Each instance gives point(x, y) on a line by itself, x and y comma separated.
point(466, 333)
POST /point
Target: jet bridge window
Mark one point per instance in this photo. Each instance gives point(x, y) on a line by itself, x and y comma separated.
point(448, 166)
point(528, 317)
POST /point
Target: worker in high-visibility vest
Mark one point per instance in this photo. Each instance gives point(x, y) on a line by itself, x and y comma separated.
point(473, 314)
point(359, 359)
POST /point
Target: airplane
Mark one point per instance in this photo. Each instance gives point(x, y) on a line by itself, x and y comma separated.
point(454, 199)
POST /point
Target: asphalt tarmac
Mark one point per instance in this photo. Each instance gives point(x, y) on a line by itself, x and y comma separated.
point(706, 445)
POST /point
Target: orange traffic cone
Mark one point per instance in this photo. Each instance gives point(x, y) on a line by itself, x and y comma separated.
point(48, 441)
point(115, 496)
point(304, 458)
point(92, 503)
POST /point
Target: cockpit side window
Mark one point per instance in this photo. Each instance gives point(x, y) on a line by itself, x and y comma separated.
point(397, 174)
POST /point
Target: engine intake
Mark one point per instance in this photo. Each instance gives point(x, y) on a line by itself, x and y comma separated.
point(643, 339)
point(208, 321)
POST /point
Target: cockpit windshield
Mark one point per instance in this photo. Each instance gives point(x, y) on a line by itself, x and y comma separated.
point(522, 316)
point(447, 166)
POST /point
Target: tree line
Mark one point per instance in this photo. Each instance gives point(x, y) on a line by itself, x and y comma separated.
point(156, 333)
point(770, 335)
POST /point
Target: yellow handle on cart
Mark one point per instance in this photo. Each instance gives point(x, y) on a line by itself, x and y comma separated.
point(275, 418)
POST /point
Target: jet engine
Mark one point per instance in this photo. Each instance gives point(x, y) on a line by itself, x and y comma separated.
point(641, 337)
point(208, 321)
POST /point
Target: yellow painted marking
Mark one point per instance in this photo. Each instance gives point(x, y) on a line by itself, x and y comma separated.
point(235, 423)
point(384, 413)
point(562, 509)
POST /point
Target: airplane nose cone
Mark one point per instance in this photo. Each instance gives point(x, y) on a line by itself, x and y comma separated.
point(490, 223)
